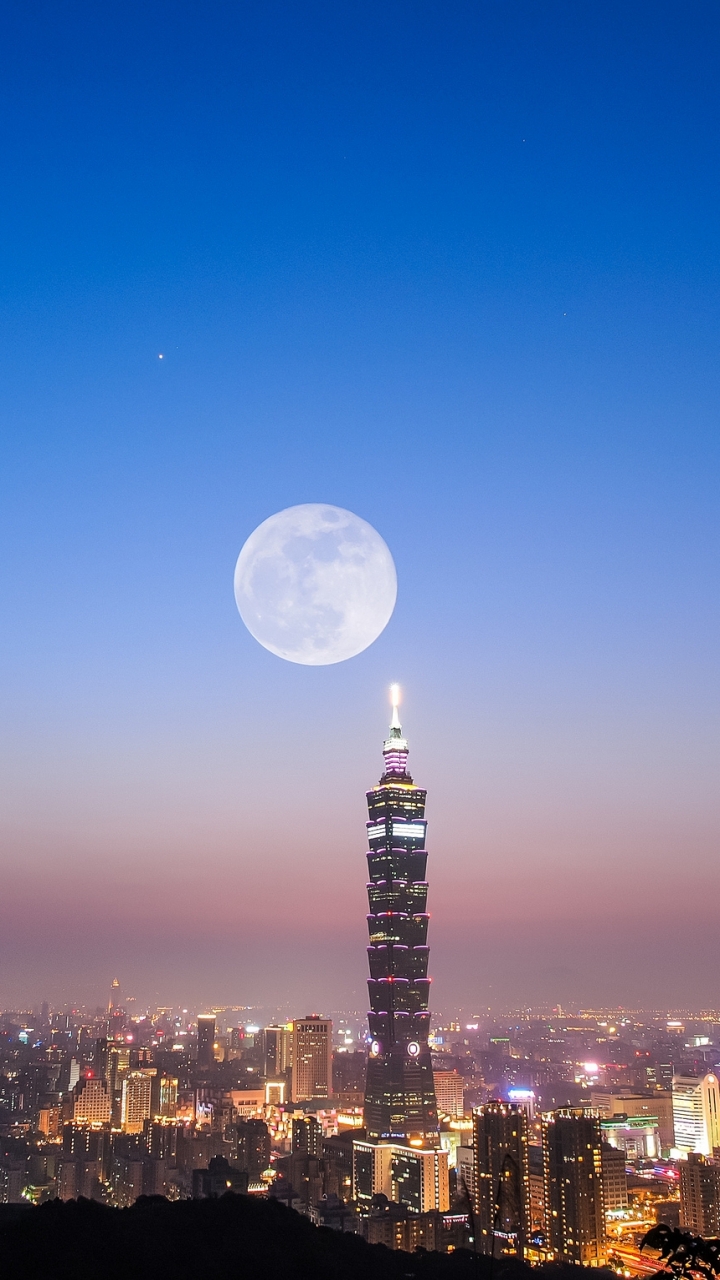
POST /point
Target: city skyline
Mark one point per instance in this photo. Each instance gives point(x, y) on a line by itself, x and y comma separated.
point(557, 1136)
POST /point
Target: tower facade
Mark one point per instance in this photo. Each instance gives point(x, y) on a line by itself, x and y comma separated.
point(400, 1106)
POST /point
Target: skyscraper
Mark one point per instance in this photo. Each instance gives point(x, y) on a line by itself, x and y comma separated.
point(312, 1058)
point(573, 1187)
point(400, 1104)
point(696, 1113)
point(501, 1177)
point(401, 1158)
point(117, 1065)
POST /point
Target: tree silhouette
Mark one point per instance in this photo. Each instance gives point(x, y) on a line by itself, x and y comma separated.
point(683, 1253)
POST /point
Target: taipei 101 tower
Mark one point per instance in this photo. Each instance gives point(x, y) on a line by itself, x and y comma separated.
point(400, 1106)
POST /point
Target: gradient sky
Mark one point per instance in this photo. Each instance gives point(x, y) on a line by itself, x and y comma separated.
point(455, 268)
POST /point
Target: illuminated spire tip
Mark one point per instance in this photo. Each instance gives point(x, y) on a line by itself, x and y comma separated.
point(395, 699)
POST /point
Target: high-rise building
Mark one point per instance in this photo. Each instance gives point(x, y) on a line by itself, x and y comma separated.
point(206, 1041)
point(91, 1101)
point(574, 1205)
point(136, 1100)
point(312, 1058)
point(277, 1049)
point(400, 1105)
point(501, 1177)
point(117, 1065)
point(449, 1089)
point(700, 1195)
point(164, 1097)
point(696, 1113)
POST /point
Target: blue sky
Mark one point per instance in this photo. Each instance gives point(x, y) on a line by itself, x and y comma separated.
point(454, 268)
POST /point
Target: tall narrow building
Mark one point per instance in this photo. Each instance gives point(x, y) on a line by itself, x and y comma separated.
point(501, 1177)
point(574, 1202)
point(400, 1106)
point(206, 1041)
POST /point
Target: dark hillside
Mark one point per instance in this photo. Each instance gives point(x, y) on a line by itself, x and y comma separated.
point(233, 1238)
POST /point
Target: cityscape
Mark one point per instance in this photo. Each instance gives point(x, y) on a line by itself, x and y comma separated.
point(359, 636)
point(549, 1135)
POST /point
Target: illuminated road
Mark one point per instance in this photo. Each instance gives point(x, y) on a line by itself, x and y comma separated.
point(637, 1263)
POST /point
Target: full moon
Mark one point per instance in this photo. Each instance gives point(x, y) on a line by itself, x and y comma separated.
point(315, 584)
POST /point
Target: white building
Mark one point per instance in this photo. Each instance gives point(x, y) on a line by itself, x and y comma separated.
point(696, 1113)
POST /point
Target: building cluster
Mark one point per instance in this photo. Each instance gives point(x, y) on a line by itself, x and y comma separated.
point(556, 1136)
point(547, 1135)
point(112, 1106)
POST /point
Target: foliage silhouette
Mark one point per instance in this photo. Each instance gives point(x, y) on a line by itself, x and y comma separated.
point(231, 1238)
point(682, 1252)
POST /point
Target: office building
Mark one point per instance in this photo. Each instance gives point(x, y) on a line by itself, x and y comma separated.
point(277, 1048)
point(501, 1178)
point(656, 1105)
point(637, 1136)
point(449, 1087)
point(91, 1101)
point(700, 1195)
point(574, 1205)
point(206, 1041)
point(136, 1100)
point(400, 1105)
point(696, 1113)
point(312, 1058)
point(407, 1175)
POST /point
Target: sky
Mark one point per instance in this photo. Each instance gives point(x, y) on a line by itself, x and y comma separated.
point(453, 267)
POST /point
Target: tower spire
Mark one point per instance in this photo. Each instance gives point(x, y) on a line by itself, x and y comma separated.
point(395, 748)
point(395, 699)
